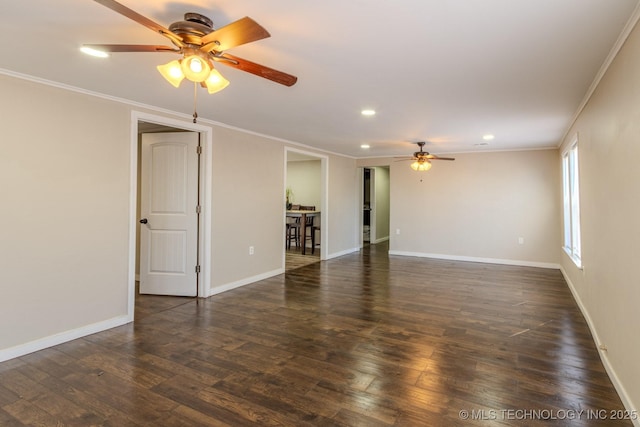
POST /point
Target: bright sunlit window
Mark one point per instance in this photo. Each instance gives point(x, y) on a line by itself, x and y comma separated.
point(571, 196)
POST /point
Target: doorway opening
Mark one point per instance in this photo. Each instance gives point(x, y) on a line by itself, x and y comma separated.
point(366, 207)
point(376, 204)
point(151, 124)
point(305, 186)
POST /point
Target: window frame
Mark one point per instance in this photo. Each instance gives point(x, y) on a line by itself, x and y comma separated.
point(572, 240)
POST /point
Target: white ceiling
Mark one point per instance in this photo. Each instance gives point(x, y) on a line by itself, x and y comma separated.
point(445, 71)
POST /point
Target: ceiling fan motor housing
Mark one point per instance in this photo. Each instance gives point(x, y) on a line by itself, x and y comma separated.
point(193, 27)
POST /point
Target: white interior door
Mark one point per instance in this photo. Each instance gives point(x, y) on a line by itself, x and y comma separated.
point(168, 214)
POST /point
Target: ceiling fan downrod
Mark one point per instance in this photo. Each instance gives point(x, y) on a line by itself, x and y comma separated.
point(195, 102)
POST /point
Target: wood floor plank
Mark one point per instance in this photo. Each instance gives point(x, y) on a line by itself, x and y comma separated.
point(7, 420)
point(364, 339)
point(25, 412)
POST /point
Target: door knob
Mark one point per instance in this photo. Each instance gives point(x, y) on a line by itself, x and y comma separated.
point(143, 221)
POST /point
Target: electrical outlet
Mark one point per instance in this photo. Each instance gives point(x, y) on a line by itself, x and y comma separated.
point(521, 240)
point(251, 250)
point(397, 231)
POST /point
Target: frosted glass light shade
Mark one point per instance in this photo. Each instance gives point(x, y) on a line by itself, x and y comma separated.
point(421, 166)
point(215, 82)
point(195, 68)
point(172, 71)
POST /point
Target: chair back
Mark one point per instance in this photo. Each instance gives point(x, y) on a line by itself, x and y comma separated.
point(309, 222)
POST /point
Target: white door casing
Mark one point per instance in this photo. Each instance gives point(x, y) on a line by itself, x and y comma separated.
point(168, 201)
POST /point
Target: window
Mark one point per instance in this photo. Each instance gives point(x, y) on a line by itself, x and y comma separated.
point(571, 195)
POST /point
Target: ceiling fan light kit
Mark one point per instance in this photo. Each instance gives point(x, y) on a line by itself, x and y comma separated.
point(421, 165)
point(195, 66)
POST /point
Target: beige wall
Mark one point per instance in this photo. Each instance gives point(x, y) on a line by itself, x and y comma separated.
point(478, 207)
point(304, 179)
point(248, 206)
point(608, 289)
point(344, 208)
point(64, 169)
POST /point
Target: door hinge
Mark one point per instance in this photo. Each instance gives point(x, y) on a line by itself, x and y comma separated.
point(199, 149)
point(198, 209)
point(197, 269)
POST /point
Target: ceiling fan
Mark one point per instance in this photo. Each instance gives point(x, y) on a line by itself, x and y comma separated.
point(422, 159)
point(200, 44)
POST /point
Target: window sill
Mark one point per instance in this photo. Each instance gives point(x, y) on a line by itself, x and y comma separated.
point(577, 261)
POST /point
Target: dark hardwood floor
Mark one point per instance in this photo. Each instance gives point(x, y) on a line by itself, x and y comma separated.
point(362, 340)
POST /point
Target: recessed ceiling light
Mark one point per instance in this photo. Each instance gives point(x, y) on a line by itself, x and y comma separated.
point(368, 112)
point(365, 146)
point(94, 52)
point(488, 137)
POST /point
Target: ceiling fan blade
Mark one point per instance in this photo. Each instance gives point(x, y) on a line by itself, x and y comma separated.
point(143, 20)
point(115, 48)
point(257, 69)
point(242, 31)
point(434, 157)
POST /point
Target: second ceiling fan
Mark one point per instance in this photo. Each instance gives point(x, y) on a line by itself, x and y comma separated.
point(422, 159)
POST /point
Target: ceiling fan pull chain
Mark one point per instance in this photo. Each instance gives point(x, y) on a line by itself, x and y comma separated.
point(195, 99)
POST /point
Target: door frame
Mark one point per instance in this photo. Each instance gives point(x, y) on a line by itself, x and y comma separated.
point(205, 179)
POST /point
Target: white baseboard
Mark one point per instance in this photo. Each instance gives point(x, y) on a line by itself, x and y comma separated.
point(52, 340)
point(249, 280)
point(243, 282)
point(622, 391)
point(380, 240)
point(479, 259)
point(341, 253)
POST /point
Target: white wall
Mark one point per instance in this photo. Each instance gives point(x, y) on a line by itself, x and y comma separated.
point(608, 289)
point(65, 172)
